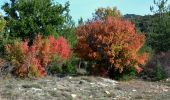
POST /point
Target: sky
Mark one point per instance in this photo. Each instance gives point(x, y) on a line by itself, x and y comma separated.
point(85, 8)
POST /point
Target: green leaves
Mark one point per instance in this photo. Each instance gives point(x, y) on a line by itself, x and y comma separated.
point(26, 18)
point(160, 37)
point(2, 23)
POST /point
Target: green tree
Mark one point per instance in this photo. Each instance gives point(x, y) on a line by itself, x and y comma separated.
point(159, 39)
point(80, 21)
point(26, 18)
point(2, 23)
point(102, 13)
point(3, 36)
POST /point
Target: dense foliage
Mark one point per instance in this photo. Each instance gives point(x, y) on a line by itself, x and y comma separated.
point(2, 23)
point(107, 44)
point(3, 35)
point(157, 31)
point(161, 33)
point(155, 26)
point(26, 18)
point(113, 44)
point(102, 13)
point(32, 61)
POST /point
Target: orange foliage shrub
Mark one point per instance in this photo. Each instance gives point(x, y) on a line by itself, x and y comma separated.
point(113, 42)
point(32, 61)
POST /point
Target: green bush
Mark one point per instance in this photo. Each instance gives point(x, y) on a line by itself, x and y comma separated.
point(4, 40)
point(25, 18)
point(125, 75)
point(159, 73)
point(67, 67)
point(2, 23)
point(54, 68)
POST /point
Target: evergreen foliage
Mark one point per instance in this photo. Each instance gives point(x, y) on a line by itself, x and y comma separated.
point(27, 18)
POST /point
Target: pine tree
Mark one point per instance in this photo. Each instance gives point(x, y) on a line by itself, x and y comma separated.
point(160, 37)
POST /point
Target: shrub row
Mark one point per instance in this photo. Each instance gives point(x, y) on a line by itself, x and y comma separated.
point(31, 61)
point(112, 45)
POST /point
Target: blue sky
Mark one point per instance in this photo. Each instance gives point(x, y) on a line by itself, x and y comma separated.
point(85, 8)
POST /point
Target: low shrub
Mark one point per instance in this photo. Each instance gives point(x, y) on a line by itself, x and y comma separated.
point(5, 68)
point(70, 65)
point(32, 61)
point(64, 67)
point(158, 67)
point(125, 75)
point(159, 74)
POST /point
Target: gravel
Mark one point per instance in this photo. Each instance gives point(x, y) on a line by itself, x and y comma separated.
point(82, 88)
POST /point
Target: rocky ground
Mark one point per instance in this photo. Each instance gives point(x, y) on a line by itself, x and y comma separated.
point(82, 88)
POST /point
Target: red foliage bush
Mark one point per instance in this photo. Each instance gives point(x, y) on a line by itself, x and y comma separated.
point(60, 47)
point(113, 42)
point(32, 61)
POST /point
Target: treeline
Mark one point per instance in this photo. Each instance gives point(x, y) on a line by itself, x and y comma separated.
point(39, 37)
point(156, 26)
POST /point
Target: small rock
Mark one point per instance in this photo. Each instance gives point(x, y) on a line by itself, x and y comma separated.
point(80, 82)
point(73, 95)
point(91, 96)
point(167, 80)
point(19, 88)
point(165, 90)
point(70, 77)
point(102, 84)
point(36, 89)
point(134, 90)
point(107, 92)
point(113, 82)
point(55, 89)
point(92, 83)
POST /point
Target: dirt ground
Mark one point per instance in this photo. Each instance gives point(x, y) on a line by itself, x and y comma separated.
point(82, 88)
